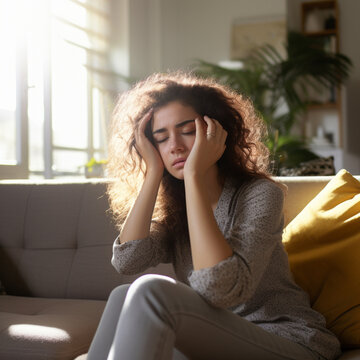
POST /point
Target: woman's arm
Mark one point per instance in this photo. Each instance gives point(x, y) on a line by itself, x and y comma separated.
point(142, 242)
point(252, 219)
point(137, 223)
point(208, 245)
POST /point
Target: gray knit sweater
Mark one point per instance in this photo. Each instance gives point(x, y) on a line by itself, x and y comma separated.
point(255, 282)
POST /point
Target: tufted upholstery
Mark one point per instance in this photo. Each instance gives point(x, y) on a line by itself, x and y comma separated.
point(56, 244)
point(55, 251)
point(55, 248)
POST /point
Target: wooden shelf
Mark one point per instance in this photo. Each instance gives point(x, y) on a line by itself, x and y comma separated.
point(309, 7)
point(320, 19)
point(321, 33)
point(323, 106)
point(319, 4)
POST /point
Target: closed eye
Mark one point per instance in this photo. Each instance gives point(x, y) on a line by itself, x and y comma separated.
point(158, 141)
point(189, 128)
point(189, 132)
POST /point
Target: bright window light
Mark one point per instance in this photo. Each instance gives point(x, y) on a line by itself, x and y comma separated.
point(71, 89)
point(8, 43)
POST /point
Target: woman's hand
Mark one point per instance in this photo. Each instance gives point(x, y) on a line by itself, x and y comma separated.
point(146, 149)
point(208, 147)
point(208, 244)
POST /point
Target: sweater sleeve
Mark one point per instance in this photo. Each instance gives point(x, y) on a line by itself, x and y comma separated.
point(135, 256)
point(253, 228)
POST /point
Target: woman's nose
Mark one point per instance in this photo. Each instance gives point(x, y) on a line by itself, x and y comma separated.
point(176, 144)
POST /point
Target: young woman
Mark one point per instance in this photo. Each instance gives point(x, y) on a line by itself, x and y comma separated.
point(188, 151)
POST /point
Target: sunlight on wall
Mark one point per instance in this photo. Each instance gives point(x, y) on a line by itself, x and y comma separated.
point(38, 332)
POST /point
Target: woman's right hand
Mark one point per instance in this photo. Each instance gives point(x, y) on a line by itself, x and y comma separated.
point(146, 149)
point(138, 222)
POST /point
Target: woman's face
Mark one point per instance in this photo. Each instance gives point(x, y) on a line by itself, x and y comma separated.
point(173, 130)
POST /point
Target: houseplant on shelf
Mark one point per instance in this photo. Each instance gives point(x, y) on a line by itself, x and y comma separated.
point(279, 87)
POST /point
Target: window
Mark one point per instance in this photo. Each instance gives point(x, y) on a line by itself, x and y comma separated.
point(13, 130)
point(58, 89)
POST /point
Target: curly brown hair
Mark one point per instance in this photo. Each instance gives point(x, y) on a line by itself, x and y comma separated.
point(245, 156)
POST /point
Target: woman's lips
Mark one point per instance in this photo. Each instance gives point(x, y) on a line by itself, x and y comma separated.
point(178, 164)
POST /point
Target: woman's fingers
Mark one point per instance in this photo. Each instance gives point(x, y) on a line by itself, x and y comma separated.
point(145, 120)
point(200, 128)
point(208, 147)
point(215, 135)
point(142, 125)
point(214, 130)
point(140, 131)
point(211, 127)
point(145, 148)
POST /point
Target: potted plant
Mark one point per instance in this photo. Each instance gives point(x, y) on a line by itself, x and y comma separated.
point(95, 168)
point(279, 86)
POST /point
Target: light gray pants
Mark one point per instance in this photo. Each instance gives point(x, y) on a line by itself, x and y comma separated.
point(158, 318)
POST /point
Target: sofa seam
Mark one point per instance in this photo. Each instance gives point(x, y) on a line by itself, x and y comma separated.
point(25, 216)
point(76, 241)
point(22, 246)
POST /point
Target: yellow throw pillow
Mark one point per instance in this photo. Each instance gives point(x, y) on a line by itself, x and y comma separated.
point(323, 245)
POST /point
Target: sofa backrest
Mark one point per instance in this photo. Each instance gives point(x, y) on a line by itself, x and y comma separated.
point(56, 237)
point(56, 240)
point(300, 191)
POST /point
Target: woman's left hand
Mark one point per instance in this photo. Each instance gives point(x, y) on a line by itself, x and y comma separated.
point(208, 147)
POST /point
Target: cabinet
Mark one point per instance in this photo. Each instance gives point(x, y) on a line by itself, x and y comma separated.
point(323, 123)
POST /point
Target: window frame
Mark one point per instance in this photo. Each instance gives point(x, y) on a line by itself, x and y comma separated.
point(21, 167)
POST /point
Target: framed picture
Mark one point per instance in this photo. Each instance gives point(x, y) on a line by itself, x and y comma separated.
point(249, 33)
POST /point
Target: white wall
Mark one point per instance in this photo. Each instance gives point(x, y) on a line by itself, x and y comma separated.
point(201, 29)
point(170, 34)
point(160, 35)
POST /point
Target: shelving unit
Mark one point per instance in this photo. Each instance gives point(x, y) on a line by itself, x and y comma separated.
point(320, 19)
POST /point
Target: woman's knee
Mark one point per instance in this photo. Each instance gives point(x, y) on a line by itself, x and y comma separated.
point(153, 287)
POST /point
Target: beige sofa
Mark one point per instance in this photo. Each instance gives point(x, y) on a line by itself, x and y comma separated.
point(55, 251)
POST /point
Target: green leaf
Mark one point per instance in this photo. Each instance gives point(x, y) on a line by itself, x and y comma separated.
point(271, 80)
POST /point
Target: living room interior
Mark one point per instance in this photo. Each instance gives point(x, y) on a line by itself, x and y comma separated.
point(164, 35)
point(56, 234)
point(143, 37)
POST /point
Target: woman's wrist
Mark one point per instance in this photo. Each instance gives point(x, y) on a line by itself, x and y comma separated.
point(194, 178)
point(154, 175)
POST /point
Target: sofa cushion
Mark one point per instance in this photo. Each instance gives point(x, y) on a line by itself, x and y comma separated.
point(37, 328)
point(56, 240)
point(323, 244)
